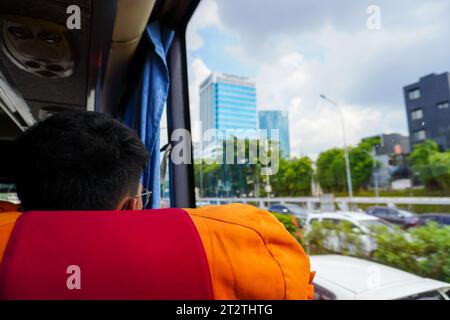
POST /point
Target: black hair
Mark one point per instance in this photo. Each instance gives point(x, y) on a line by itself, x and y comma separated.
point(78, 161)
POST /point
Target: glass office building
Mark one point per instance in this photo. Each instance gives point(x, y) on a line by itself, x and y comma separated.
point(228, 102)
point(277, 119)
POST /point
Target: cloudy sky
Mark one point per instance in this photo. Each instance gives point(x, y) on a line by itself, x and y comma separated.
point(298, 49)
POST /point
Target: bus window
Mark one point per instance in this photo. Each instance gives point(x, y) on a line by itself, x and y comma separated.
point(327, 105)
point(321, 102)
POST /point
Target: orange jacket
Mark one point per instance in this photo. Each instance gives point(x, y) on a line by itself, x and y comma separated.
point(7, 221)
point(250, 253)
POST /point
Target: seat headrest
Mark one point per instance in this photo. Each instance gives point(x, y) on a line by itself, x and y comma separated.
point(152, 254)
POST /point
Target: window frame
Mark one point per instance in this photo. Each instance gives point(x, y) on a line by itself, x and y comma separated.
point(414, 97)
point(181, 176)
point(414, 112)
point(415, 133)
point(442, 103)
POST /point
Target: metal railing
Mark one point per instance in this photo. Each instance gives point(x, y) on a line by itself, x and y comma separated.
point(343, 203)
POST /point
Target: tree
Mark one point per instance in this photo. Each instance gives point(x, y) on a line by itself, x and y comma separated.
point(293, 178)
point(239, 177)
point(420, 162)
point(211, 174)
point(361, 166)
point(331, 171)
point(440, 168)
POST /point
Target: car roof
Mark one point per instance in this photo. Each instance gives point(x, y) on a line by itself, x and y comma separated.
point(435, 215)
point(343, 215)
point(369, 280)
point(275, 205)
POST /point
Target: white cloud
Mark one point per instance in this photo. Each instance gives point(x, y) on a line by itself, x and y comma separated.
point(206, 15)
point(294, 84)
point(197, 73)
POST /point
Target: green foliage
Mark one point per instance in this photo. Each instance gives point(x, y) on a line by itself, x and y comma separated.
point(361, 166)
point(424, 250)
point(369, 143)
point(432, 166)
point(331, 172)
point(211, 174)
point(440, 168)
point(293, 178)
point(292, 225)
point(420, 161)
point(349, 241)
point(216, 178)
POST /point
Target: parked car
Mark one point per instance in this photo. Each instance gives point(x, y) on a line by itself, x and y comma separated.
point(361, 225)
point(400, 217)
point(289, 208)
point(347, 278)
point(440, 218)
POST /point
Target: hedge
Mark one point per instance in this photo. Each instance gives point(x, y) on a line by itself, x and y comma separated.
point(424, 250)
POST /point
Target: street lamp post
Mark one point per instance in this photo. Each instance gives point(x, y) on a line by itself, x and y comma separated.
point(347, 162)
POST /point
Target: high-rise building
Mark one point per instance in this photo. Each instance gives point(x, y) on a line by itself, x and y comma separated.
point(277, 119)
point(228, 102)
point(428, 110)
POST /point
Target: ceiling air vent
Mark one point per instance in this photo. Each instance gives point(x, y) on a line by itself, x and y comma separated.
point(37, 46)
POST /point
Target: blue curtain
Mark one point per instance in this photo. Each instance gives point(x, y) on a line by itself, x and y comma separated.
point(144, 109)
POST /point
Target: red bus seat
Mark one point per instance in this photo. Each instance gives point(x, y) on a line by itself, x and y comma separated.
point(154, 254)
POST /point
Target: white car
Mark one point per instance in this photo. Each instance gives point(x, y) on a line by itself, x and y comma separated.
point(347, 278)
point(360, 222)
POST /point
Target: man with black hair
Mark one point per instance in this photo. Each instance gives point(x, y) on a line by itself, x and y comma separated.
point(80, 161)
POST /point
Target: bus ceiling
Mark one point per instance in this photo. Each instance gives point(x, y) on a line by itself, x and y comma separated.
point(49, 63)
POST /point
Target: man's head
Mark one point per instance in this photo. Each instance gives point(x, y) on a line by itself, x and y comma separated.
point(79, 161)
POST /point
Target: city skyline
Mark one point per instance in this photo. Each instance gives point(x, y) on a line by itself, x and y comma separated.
point(328, 51)
point(266, 119)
